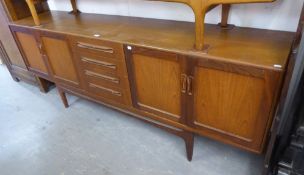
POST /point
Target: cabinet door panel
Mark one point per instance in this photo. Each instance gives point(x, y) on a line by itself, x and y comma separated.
point(157, 83)
point(31, 52)
point(233, 106)
point(227, 101)
point(60, 59)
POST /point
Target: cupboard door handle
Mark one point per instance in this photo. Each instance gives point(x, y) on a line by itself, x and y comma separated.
point(40, 48)
point(99, 63)
point(184, 82)
point(190, 85)
point(116, 93)
point(105, 77)
point(95, 47)
point(106, 89)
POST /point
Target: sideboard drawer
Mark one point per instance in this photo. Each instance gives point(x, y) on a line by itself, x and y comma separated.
point(100, 64)
point(105, 78)
point(106, 92)
point(98, 47)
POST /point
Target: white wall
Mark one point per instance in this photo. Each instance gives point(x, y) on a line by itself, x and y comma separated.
point(280, 15)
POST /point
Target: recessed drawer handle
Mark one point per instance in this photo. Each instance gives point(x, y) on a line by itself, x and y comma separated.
point(95, 47)
point(190, 85)
point(184, 82)
point(99, 63)
point(105, 77)
point(106, 89)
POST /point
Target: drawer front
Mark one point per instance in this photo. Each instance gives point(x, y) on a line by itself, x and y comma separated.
point(105, 78)
point(107, 92)
point(100, 64)
point(103, 69)
point(98, 47)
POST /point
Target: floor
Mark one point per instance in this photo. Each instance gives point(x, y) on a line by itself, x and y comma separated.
point(38, 136)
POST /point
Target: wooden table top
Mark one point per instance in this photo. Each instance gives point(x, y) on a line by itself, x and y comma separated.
point(257, 47)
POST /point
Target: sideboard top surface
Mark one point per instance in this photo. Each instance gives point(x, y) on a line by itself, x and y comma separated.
point(257, 47)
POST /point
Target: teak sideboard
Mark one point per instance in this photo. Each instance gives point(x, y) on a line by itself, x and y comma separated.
point(150, 69)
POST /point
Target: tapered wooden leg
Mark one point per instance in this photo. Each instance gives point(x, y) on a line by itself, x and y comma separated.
point(189, 142)
point(43, 85)
point(188, 137)
point(63, 98)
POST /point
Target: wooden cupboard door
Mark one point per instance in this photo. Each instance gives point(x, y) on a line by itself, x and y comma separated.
point(29, 47)
point(155, 79)
point(59, 58)
point(233, 103)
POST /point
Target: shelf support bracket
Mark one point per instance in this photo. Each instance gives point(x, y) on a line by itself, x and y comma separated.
point(74, 6)
point(225, 15)
point(34, 13)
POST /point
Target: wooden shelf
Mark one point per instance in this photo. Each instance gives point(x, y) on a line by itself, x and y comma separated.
point(199, 7)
